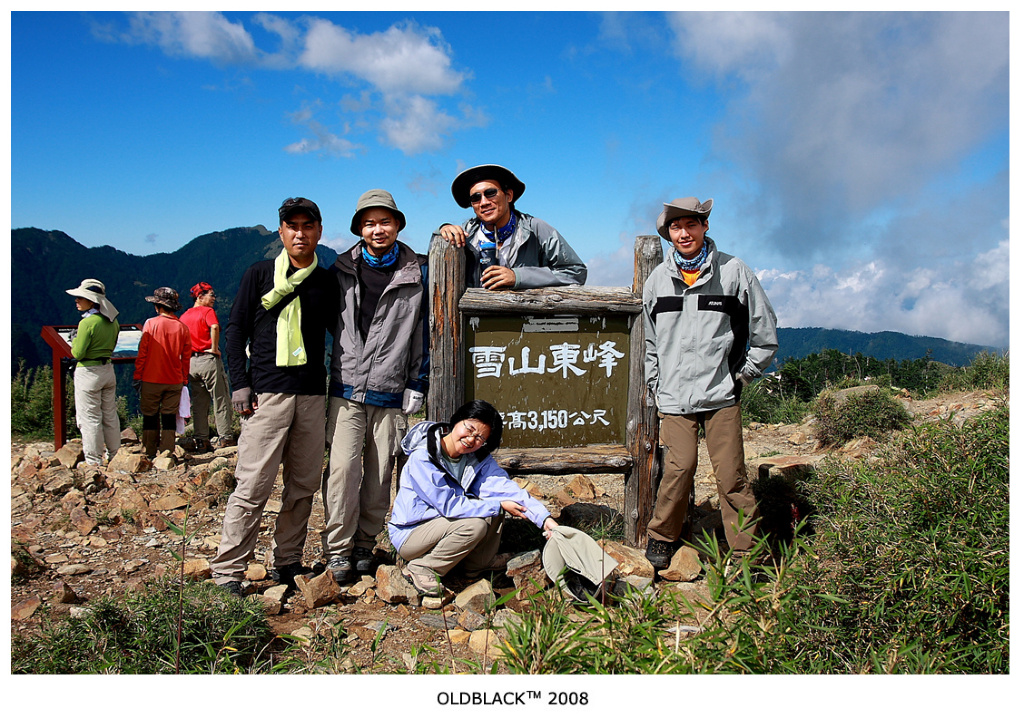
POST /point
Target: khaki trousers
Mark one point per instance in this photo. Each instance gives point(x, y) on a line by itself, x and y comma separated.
point(158, 404)
point(208, 383)
point(286, 429)
point(723, 432)
point(439, 544)
point(364, 441)
point(96, 411)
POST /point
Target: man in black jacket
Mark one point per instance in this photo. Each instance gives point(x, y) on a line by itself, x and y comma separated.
point(281, 311)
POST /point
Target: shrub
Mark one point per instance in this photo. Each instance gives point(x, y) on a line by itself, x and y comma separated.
point(765, 402)
point(917, 548)
point(907, 571)
point(987, 371)
point(874, 413)
point(137, 634)
point(32, 402)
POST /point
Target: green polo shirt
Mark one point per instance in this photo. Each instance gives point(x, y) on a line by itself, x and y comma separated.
point(96, 339)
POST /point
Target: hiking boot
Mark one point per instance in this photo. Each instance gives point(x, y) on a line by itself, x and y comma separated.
point(425, 585)
point(225, 441)
point(341, 568)
point(287, 574)
point(363, 558)
point(232, 587)
point(659, 553)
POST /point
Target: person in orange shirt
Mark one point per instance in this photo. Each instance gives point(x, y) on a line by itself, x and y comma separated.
point(161, 369)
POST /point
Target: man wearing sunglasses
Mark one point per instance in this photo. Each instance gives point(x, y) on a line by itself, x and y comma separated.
point(528, 252)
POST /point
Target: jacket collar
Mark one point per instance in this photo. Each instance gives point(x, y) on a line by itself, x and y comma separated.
point(706, 271)
point(408, 270)
point(518, 238)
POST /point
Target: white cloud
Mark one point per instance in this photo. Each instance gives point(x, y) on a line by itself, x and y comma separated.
point(840, 115)
point(339, 241)
point(415, 124)
point(403, 70)
point(207, 35)
point(964, 301)
point(404, 58)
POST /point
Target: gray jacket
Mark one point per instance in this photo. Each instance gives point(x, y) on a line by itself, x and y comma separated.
point(697, 336)
point(538, 254)
point(393, 357)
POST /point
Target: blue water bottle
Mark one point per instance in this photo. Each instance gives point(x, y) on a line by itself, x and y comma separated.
point(488, 255)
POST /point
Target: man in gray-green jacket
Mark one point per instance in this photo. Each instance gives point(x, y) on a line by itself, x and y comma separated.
point(701, 309)
point(527, 252)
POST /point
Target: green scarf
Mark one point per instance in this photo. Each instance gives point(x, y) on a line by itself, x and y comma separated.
point(291, 351)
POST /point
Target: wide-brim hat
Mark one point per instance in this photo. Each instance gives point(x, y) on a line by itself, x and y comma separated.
point(376, 198)
point(570, 551)
point(496, 173)
point(682, 207)
point(95, 291)
point(165, 297)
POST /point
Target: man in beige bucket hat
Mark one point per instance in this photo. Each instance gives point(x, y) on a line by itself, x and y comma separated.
point(701, 309)
point(378, 377)
point(506, 248)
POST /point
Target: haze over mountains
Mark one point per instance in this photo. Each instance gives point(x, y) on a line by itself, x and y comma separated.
point(46, 263)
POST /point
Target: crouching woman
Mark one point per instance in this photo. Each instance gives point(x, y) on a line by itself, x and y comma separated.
point(450, 499)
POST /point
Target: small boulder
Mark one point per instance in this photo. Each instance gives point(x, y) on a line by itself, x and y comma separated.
point(685, 566)
point(23, 610)
point(632, 561)
point(393, 588)
point(478, 597)
point(198, 569)
point(70, 455)
point(318, 591)
point(63, 593)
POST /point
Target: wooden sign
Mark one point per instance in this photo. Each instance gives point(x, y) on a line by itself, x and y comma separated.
point(558, 381)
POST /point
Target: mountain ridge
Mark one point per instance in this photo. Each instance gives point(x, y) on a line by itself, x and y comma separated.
point(221, 258)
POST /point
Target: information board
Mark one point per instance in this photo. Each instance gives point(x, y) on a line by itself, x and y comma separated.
point(557, 381)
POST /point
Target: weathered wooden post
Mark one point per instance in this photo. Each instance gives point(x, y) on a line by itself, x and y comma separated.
point(447, 282)
point(642, 426)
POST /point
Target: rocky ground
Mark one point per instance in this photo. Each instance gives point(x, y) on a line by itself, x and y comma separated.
point(78, 533)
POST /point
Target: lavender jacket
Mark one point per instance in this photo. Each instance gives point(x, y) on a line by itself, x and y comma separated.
point(427, 491)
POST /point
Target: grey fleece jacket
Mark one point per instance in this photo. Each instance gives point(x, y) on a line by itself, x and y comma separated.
point(538, 254)
point(391, 359)
point(697, 336)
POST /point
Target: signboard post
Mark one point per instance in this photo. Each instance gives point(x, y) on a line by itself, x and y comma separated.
point(59, 339)
point(564, 366)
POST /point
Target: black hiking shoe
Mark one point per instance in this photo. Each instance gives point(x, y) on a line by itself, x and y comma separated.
point(341, 568)
point(232, 587)
point(287, 574)
point(364, 560)
point(659, 553)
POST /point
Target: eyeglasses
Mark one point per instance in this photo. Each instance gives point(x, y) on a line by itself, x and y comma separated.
point(472, 434)
point(489, 193)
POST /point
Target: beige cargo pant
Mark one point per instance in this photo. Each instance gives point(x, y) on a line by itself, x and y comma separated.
point(723, 431)
point(96, 411)
point(209, 384)
point(285, 429)
point(436, 546)
point(364, 441)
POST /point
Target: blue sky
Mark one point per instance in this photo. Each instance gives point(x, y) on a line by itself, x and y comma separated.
point(859, 162)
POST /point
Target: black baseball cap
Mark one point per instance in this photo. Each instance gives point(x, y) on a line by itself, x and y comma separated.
point(299, 204)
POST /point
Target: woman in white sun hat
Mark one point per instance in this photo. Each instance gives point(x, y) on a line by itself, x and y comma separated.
point(95, 383)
